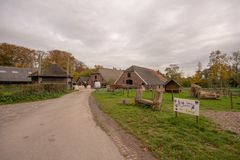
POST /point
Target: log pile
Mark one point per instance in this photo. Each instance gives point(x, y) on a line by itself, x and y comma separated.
point(196, 91)
point(208, 95)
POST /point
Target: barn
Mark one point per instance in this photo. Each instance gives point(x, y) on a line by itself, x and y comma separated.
point(173, 86)
point(136, 76)
point(15, 75)
point(51, 74)
point(105, 76)
point(82, 81)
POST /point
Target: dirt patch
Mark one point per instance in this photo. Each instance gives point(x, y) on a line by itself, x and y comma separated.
point(128, 145)
point(227, 120)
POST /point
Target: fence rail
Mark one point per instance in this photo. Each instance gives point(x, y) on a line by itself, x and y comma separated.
point(223, 91)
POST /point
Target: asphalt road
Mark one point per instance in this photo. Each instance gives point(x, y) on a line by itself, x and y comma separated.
point(58, 129)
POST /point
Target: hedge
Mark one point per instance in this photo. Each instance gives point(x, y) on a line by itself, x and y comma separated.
point(32, 92)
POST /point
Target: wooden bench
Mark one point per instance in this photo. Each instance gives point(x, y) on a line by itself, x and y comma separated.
point(155, 103)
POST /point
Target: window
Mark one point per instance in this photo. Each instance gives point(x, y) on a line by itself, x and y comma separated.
point(95, 76)
point(2, 71)
point(129, 75)
point(129, 82)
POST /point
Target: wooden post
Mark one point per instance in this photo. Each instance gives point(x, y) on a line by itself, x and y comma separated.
point(152, 93)
point(127, 92)
point(172, 95)
point(231, 100)
point(138, 94)
point(175, 114)
point(157, 100)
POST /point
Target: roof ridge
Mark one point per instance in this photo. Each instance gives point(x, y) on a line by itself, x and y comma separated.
point(16, 67)
point(111, 69)
point(142, 67)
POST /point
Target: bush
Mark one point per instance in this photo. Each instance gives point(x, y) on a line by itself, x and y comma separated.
point(54, 88)
point(34, 92)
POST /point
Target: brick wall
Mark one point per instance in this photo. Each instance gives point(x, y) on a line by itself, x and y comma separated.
point(137, 81)
point(96, 77)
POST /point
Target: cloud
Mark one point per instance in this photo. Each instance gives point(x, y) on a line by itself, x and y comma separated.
point(121, 33)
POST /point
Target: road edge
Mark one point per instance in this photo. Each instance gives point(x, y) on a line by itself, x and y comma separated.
point(129, 146)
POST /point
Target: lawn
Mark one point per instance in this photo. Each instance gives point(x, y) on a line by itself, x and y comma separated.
point(169, 137)
point(223, 104)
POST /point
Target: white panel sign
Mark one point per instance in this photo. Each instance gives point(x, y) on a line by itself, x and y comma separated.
point(186, 106)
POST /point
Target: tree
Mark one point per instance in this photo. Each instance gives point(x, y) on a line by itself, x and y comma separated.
point(87, 72)
point(173, 72)
point(197, 78)
point(62, 58)
point(79, 66)
point(236, 65)
point(219, 68)
point(186, 82)
point(96, 66)
point(17, 56)
point(236, 60)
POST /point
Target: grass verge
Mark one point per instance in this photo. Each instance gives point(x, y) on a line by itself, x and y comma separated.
point(168, 137)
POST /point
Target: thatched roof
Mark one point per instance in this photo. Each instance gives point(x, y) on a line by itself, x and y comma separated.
point(110, 74)
point(82, 79)
point(15, 74)
point(53, 70)
point(149, 76)
point(172, 80)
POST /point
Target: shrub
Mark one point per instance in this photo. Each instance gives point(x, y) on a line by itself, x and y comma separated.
point(34, 92)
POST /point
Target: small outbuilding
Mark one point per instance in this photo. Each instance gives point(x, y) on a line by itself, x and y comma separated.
point(15, 75)
point(82, 81)
point(173, 86)
point(52, 74)
point(105, 76)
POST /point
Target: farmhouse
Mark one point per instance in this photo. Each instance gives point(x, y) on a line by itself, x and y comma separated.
point(52, 74)
point(15, 75)
point(173, 86)
point(136, 76)
point(82, 81)
point(104, 76)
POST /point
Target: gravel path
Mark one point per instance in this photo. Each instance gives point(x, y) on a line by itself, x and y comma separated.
point(227, 120)
point(57, 129)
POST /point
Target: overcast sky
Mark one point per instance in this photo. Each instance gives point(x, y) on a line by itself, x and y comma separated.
point(149, 33)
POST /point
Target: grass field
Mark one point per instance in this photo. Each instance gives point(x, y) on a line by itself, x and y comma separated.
point(223, 104)
point(169, 137)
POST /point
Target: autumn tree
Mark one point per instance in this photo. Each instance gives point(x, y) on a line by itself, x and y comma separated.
point(62, 58)
point(236, 65)
point(79, 66)
point(173, 72)
point(17, 56)
point(197, 78)
point(65, 60)
point(219, 68)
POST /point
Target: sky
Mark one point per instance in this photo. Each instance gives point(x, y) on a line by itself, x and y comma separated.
point(121, 33)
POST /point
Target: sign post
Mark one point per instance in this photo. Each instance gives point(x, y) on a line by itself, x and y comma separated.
point(187, 106)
